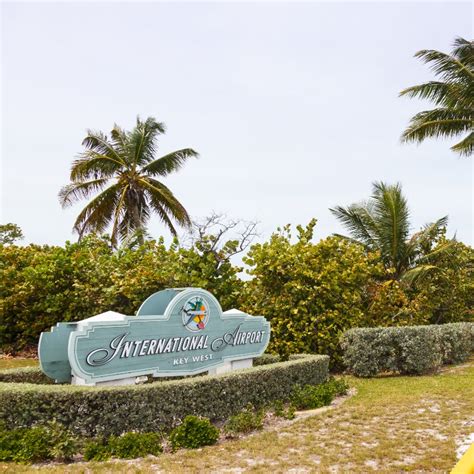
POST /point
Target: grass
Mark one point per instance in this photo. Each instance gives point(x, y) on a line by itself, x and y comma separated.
point(11, 362)
point(392, 424)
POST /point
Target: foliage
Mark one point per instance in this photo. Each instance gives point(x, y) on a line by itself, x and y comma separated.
point(39, 443)
point(10, 233)
point(406, 350)
point(446, 294)
point(97, 450)
point(310, 397)
point(246, 421)
point(194, 432)
point(25, 375)
point(310, 293)
point(382, 225)
point(135, 445)
point(453, 96)
point(97, 411)
point(41, 285)
point(281, 411)
point(123, 169)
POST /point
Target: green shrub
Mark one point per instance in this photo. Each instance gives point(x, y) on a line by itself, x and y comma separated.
point(93, 411)
point(246, 421)
point(40, 443)
point(337, 387)
point(310, 292)
point(315, 396)
point(406, 350)
point(10, 443)
point(281, 411)
point(35, 446)
point(456, 343)
point(63, 444)
point(194, 432)
point(310, 397)
point(43, 285)
point(97, 450)
point(135, 445)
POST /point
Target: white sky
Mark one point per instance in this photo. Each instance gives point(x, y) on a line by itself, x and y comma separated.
point(293, 107)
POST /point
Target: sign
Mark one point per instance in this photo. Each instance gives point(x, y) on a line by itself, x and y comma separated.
point(176, 332)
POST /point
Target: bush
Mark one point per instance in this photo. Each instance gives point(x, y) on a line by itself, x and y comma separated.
point(456, 342)
point(281, 411)
point(246, 421)
point(40, 443)
point(310, 293)
point(92, 411)
point(315, 396)
point(406, 350)
point(97, 450)
point(135, 445)
point(310, 397)
point(194, 432)
point(42, 285)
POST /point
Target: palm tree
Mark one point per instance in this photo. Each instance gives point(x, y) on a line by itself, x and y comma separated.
point(453, 97)
point(123, 171)
point(382, 224)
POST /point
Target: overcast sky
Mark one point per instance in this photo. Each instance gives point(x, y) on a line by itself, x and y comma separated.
point(293, 107)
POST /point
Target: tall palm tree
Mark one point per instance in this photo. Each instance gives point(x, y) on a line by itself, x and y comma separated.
point(382, 224)
point(453, 96)
point(123, 171)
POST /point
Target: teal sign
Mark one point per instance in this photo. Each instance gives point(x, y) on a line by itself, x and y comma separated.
point(175, 332)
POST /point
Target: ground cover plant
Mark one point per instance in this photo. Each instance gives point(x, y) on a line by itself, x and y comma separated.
point(246, 421)
point(126, 446)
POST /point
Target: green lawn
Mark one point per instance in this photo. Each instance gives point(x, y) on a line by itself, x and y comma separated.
point(392, 424)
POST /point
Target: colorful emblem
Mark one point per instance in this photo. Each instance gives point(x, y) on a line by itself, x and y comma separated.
point(195, 314)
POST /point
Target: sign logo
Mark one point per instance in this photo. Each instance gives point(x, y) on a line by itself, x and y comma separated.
point(195, 314)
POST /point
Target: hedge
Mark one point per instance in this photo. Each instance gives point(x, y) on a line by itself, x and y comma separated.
point(406, 350)
point(25, 375)
point(36, 376)
point(158, 406)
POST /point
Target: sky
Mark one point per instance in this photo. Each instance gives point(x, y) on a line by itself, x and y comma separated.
point(293, 107)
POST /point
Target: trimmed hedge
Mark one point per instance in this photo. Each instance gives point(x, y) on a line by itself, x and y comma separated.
point(406, 350)
point(36, 376)
point(25, 375)
point(159, 406)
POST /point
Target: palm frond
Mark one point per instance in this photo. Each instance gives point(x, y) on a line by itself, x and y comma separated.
point(142, 141)
point(91, 164)
point(440, 122)
point(156, 205)
point(417, 274)
point(450, 95)
point(80, 190)
point(98, 142)
point(463, 50)
point(392, 214)
point(118, 211)
point(158, 192)
point(446, 66)
point(466, 146)
point(358, 222)
point(96, 216)
point(169, 163)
